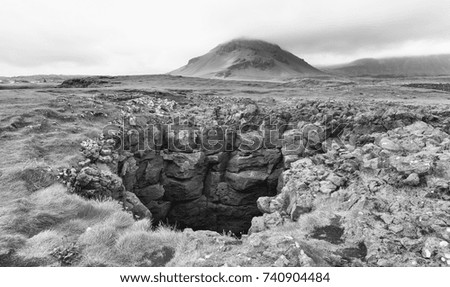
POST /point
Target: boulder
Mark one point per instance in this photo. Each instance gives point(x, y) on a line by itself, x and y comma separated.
point(152, 174)
point(91, 182)
point(265, 159)
point(263, 204)
point(313, 136)
point(327, 187)
point(246, 181)
point(150, 193)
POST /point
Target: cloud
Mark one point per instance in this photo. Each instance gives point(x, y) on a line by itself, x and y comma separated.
point(362, 36)
point(143, 37)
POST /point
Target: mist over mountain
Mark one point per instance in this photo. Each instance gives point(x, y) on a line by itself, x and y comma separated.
point(433, 65)
point(247, 60)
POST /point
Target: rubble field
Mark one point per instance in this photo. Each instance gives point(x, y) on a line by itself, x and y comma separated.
point(265, 181)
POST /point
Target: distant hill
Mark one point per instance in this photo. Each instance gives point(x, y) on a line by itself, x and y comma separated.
point(434, 65)
point(247, 60)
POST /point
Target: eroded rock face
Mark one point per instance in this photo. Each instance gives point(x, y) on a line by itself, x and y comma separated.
point(206, 184)
point(217, 191)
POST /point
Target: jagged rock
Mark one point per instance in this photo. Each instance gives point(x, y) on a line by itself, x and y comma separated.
point(91, 182)
point(266, 221)
point(313, 136)
point(327, 187)
point(371, 164)
point(433, 247)
point(412, 164)
point(389, 145)
point(134, 205)
point(218, 161)
point(150, 193)
point(250, 141)
point(292, 143)
point(272, 180)
point(263, 204)
point(336, 180)
point(184, 165)
point(375, 185)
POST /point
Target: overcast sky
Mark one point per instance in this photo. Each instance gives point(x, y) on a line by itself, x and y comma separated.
point(147, 37)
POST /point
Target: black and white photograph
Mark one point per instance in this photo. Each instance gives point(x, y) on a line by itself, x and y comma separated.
point(285, 135)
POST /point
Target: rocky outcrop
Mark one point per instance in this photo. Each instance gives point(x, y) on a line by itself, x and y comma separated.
point(362, 199)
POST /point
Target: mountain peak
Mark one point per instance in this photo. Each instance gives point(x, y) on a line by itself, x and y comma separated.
point(244, 43)
point(431, 65)
point(247, 59)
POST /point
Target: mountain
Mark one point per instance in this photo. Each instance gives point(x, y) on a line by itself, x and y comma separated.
point(433, 65)
point(247, 60)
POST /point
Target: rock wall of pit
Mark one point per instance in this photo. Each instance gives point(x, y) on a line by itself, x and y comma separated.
point(201, 189)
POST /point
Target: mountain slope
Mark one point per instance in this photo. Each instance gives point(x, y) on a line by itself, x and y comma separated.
point(400, 66)
point(248, 60)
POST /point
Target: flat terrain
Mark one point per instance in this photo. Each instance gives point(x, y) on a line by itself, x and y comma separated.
point(42, 126)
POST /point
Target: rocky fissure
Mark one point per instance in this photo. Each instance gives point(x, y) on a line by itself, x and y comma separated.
point(363, 183)
point(216, 192)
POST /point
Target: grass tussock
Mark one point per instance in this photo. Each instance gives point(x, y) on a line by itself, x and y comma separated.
point(36, 178)
point(32, 228)
point(41, 246)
